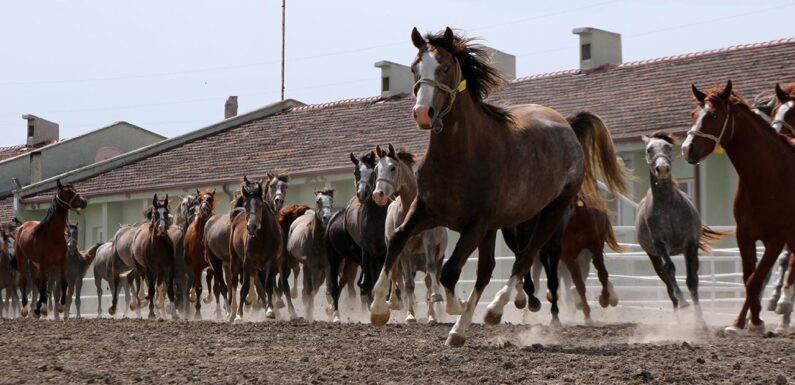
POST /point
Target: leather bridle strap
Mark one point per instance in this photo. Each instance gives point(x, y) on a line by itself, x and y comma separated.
point(696, 132)
point(460, 87)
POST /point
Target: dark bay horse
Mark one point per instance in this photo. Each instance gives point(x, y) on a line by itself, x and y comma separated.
point(423, 252)
point(356, 232)
point(763, 206)
point(667, 224)
point(530, 157)
point(153, 252)
point(194, 244)
point(306, 242)
point(44, 243)
point(76, 265)
point(255, 244)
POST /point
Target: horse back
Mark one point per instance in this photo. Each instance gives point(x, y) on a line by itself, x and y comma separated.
point(217, 234)
point(39, 247)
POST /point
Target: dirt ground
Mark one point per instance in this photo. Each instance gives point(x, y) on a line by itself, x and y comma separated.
point(141, 351)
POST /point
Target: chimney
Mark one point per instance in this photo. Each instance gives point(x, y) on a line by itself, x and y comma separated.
point(40, 131)
point(504, 62)
point(395, 78)
point(35, 166)
point(230, 107)
point(598, 48)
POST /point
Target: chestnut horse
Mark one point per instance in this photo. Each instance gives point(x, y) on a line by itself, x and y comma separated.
point(534, 163)
point(153, 252)
point(763, 205)
point(255, 244)
point(194, 245)
point(43, 243)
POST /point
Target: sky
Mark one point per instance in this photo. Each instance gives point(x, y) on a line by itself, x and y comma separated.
point(168, 66)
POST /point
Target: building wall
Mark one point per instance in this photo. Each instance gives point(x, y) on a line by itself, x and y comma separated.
point(71, 154)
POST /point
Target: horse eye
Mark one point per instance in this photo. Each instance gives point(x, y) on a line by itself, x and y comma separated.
point(446, 68)
point(392, 168)
point(714, 115)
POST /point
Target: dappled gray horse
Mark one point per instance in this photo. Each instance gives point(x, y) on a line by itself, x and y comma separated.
point(306, 242)
point(9, 302)
point(423, 252)
point(668, 224)
point(104, 270)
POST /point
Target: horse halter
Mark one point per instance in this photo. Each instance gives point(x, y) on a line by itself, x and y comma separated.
point(65, 204)
point(696, 132)
point(461, 85)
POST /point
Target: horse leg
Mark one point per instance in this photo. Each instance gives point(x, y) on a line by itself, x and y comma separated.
point(307, 294)
point(70, 291)
point(348, 279)
point(151, 296)
point(457, 335)
point(127, 294)
point(197, 288)
point(550, 258)
point(659, 268)
point(78, 300)
point(747, 248)
point(332, 284)
point(42, 281)
point(525, 289)
point(756, 281)
point(219, 286)
point(417, 220)
point(285, 284)
point(608, 296)
point(398, 280)
point(22, 283)
point(434, 256)
point(114, 289)
point(409, 285)
point(451, 271)
point(264, 287)
point(691, 266)
point(784, 304)
point(208, 278)
point(783, 261)
point(98, 285)
point(668, 271)
point(545, 225)
point(569, 258)
point(244, 289)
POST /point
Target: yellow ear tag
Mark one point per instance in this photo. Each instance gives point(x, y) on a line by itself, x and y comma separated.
point(719, 149)
point(580, 203)
point(462, 86)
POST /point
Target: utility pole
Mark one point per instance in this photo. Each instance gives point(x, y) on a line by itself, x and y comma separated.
point(284, 6)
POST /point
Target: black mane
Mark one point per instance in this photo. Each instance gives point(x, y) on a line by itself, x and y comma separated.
point(47, 217)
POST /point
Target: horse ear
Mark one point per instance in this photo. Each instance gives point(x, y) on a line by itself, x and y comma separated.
point(449, 36)
point(213, 193)
point(354, 160)
point(379, 151)
point(645, 139)
point(417, 39)
point(245, 180)
point(782, 96)
point(700, 96)
point(392, 152)
point(727, 92)
point(165, 201)
point(58, 183)
point(155, 201)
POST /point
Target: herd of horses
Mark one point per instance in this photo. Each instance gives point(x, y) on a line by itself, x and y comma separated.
point(524, 170)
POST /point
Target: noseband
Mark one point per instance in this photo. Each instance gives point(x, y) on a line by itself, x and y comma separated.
point(783, 124)
point(695, 132)
point(65, 204)
point(461, 85)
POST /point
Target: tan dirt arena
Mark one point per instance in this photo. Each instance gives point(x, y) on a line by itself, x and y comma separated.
point(105, 351)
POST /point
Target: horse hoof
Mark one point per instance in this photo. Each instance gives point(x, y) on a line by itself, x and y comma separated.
point(555, 323)
point(37, 314)
point(410, 319)
point(613, 301)
point(336, 319)
point(133, 306)
point(436, 297)
point(379, 319)
point(456, 307)
point(455, 340)
point(549, 296)
point(783, 307)
point(772, 303)
point(733, 330)
point(43, 313)
point(756, 329)
point(520, 302)
point(683, 304)
point(208, 299)
point(395, 305)
point(604, 301)
point(781, 330)
point(589, 322)
point(432, 321)
point(492, 318)
point(111, 311)
point(269, 314)
point(294, 292)
point(60, 308)
point(23, 312)
point(533, 304)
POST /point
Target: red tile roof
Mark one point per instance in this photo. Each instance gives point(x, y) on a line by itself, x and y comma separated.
point(6, 208)
point(633, 99)
point(12, 151)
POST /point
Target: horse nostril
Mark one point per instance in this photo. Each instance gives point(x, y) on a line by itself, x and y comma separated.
point(431, 112)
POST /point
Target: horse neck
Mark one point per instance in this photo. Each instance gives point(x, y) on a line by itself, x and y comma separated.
point(463, 133)
point(58, 220)
point(661, 189)
point(407, 185)
point(751, 150)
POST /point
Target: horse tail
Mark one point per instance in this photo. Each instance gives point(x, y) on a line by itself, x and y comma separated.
point(90, 254)
point(599, 157)
point(708, 237)
point(610, 239)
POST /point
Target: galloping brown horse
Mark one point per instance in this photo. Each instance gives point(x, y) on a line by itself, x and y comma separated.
point(530, 157)
point(44, 243)
point(153, 252)
point(194, 244)
point(763, 206)
point(255, 243)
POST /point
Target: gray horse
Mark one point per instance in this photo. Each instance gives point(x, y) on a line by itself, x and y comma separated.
point(76, 265)
point(104, 270)
point(423, 252)
point(306, 242)
point(668, 224)
point(8, 280)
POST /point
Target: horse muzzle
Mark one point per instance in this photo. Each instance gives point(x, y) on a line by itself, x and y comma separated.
point(278, 203)
point(380, 198)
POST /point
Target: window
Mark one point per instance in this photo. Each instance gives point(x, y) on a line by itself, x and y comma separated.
point(384, 84)
point(688, 185)
point(585, 51)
